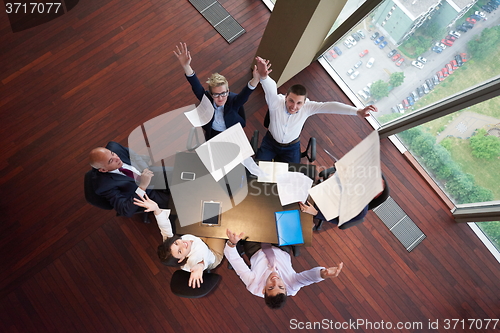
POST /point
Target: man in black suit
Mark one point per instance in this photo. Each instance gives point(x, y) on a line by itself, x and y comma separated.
point(114, 178)
point(228, 106)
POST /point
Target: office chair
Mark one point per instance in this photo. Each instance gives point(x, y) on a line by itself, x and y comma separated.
point(100, 202)
point(310, 151)
point(179, 284)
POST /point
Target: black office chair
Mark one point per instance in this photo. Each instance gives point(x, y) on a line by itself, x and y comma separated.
point(179, 284)
point(100, 202)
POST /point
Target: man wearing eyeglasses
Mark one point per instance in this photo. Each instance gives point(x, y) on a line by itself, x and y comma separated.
point(228, 105)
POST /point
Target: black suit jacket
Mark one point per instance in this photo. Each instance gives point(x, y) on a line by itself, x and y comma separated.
point(118, 189)
point(233, 109)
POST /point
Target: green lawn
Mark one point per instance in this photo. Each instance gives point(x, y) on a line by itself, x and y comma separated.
point(485, 172)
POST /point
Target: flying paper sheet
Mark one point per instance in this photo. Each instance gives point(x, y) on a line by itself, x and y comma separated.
point(293, 187)
point(225, 151)
point(202, 114)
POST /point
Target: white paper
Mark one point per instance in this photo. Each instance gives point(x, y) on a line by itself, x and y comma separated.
point(360, 176)
point(327, 195)
point(202, 114)
point(293, 187)
point(234, 135)
point(271, 170)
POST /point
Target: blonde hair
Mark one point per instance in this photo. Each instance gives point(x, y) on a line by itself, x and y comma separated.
point(217, 80)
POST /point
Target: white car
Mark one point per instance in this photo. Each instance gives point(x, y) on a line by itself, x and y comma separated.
point(347, 44)
point(422, 59)
point(370, 62)
point(351, 40)
point(362, 95)
point(361, 33)
point(350, 71)
point(455, 34)
point(480, 14)
point(354, 75)
point(417, 64)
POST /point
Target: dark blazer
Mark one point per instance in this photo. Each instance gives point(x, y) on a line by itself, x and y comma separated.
point(233, 109)
point(118, 189)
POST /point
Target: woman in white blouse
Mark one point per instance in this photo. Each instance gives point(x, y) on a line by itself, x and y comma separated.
point(193, 254)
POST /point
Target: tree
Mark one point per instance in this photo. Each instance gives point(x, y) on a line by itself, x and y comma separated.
point(481, 47)
point(379, 89)
point(396, 79)
point(484, 145)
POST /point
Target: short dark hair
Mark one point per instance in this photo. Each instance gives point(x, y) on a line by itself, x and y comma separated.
point(275, 302)
point(298, 89)
point(165, 253)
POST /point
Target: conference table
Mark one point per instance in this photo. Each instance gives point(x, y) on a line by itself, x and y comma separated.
point(247, 205)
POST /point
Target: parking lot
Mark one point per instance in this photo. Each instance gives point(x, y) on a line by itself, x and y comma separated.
point(384, 66)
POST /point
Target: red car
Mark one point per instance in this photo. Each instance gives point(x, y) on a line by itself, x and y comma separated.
point(362, 54)
point(440, 76)
point(447, 42)
point(450, 37)
point(406, 104)
point(464, 57)
point(445, 72)
point(471, 20)
point(450, 69)
point(454, 64)
point(396, 57)
point(400, 61)
point(333, 54)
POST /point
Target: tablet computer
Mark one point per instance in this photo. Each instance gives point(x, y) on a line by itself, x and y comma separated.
point(211, 213)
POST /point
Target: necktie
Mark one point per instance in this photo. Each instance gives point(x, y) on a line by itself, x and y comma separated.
point(268, 251)
point(127, 172)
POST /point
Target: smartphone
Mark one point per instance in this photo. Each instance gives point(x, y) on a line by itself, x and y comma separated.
point(211, 213)
point(188, 175)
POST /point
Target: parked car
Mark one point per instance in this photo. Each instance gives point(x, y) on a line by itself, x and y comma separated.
point(392, 53)
point(396, 57)
point(435, 80)
point(394, 109)
point(417, 64)
point(406, 104)
point(382, 45)
point(425, 88)
point(337, 50)
point(444, 70)
point(462, 28)
point(464, 57)
point(422, 59)
point(361, 33)
point(379, 40)
point(347, 44)
point(476, 17)
point(354, 75)
point(429, 84)
point(447, 42)
point(487, 8)
point(459, 61)
point(358, 64)
point(356, 37)
point(414, 94)
point(420, 91)
point(350, 71)
point(492, 4)
point(437, 49)
point(400, 61)
point(468, 25)
point(451, 38)
point(401, 108)
point(370, 62)
point(367, 91)
point(330, 55)
point(362, 95)
point(374, 36)
point(363, 53)
point(411, 101)
point(449, 68)
point(454, 33)
point(470, 20)
point(441, 45)
point(480, 14)
point(440, 76)
point(454, 64)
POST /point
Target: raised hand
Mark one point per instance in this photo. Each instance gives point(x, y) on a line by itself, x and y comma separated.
point(150, 205)
point(233, 237)
point(365, 112)
point(331, 272)
point(184, 57)
point(307, 208)
point(263, 67)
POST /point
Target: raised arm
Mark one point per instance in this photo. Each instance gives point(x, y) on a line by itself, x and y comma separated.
point(184, 57)
point(161, 215)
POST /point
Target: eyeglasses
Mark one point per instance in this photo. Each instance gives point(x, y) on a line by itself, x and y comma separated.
point(222, 94)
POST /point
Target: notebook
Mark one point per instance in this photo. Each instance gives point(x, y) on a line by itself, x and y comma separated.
point(288, 227)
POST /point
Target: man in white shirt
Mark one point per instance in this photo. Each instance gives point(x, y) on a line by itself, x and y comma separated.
point(287, 115)
point(272, 278)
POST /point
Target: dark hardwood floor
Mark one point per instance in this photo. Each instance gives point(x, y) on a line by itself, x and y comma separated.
point(99, 71)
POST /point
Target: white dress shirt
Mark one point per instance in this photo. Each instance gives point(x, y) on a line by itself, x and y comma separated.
point(286, 127)
point(255, 277)
point(140, 192)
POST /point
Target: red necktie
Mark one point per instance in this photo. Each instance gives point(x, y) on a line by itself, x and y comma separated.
point(127, 172)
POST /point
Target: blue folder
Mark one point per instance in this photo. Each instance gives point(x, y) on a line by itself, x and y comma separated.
point(288, 227)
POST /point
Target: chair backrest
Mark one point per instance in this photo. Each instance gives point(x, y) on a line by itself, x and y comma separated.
point(382, 197)
point(90, 195)
point(179, 284)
